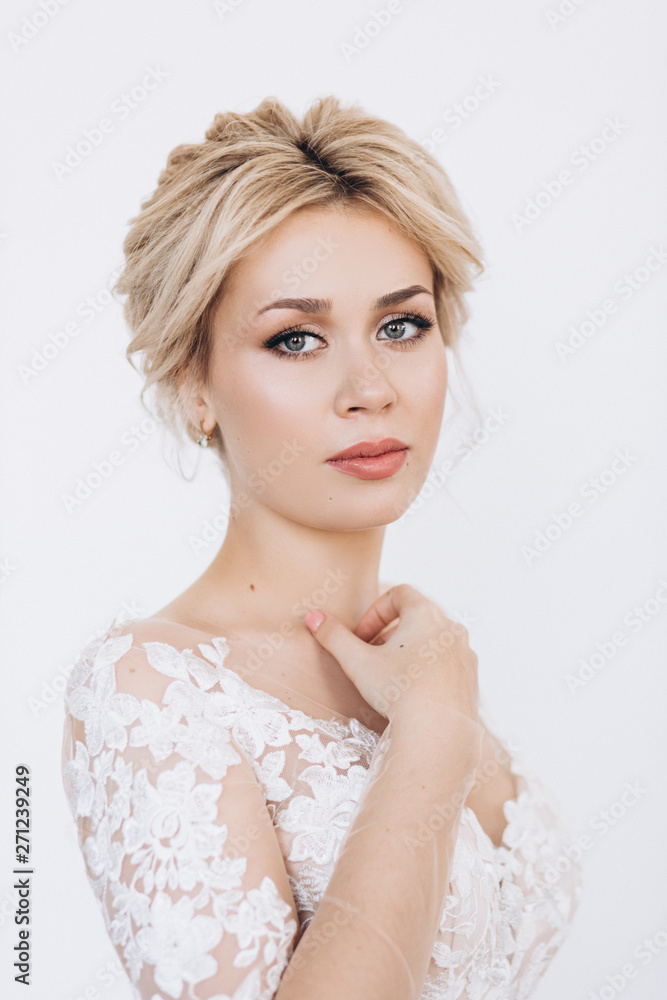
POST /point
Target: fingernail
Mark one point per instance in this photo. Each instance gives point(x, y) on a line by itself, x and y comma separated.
point(313, 619)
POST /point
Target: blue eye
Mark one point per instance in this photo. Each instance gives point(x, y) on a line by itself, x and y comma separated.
point(423, 324)
point(291, 335)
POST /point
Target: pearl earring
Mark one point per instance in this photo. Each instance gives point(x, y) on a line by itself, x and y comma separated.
point(204, 438)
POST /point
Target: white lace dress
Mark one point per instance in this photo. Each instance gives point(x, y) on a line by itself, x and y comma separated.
point(171, 761)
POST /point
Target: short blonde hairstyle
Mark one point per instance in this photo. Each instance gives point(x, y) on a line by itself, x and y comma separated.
point(217, 198)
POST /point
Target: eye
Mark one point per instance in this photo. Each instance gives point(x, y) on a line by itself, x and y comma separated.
point(396, 326)
point(293, 339)
point(288, 343)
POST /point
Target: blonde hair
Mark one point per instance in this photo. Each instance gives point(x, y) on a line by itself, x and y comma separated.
point(217, 198)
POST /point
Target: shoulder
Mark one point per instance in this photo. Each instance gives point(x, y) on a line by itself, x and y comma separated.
point(138, 681)
point(142, 656)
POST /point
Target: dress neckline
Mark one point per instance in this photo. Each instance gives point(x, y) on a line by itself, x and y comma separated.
point(508, 804)
point(210, 639)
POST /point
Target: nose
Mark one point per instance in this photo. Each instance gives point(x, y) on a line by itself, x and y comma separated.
point(365, 382)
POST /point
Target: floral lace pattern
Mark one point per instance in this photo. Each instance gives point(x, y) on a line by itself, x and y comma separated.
point(182, 900)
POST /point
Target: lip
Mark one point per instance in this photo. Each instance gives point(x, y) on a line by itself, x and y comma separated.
point(371, 459)
point(369, 449)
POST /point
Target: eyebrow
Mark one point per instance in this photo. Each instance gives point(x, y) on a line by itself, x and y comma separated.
point(321, 306)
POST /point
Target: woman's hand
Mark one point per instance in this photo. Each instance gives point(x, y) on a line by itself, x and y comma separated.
point(424, 657)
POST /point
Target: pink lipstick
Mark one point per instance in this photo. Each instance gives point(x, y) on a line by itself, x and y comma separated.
point(371, 459)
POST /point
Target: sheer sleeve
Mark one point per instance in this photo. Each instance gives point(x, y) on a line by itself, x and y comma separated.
point(178, 844)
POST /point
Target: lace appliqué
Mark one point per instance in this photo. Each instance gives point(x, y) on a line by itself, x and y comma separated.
point(171, 893)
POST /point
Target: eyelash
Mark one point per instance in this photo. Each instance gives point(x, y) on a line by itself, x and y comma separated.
point(424, 323)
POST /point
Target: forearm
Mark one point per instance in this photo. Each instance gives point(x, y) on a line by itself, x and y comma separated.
point(372, 935)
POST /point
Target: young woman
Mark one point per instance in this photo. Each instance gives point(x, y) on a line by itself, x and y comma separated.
point(282, 784)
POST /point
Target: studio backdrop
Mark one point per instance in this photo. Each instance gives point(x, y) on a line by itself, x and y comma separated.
point(542, 521)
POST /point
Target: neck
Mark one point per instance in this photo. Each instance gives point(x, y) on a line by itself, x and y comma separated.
point(270, 570)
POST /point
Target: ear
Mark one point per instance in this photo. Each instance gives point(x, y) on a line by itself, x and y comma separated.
point(195, 402)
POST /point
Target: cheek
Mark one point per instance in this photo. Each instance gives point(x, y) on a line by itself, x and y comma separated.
point(261, 413)
point(426, 390)
point(435, 375)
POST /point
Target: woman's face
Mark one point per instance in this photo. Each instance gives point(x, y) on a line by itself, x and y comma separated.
point(353, 369)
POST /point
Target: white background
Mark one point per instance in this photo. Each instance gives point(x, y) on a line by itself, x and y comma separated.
point(67, 573)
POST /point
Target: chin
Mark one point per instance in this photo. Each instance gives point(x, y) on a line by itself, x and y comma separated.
point(376, 513)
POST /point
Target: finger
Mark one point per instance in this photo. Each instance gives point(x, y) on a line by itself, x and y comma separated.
point(336, 637)
point(386, 633)
point(381, 613)
point(385, 610)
